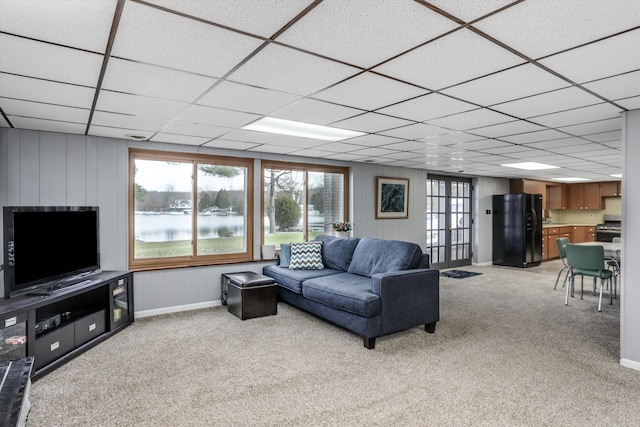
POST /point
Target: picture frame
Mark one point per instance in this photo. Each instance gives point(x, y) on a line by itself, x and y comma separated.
point(392, 198)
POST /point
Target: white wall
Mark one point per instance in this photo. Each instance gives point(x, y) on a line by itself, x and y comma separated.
point(630, 269)
point(484, 188)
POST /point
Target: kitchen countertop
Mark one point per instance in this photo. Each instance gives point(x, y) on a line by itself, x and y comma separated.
point(567, 225)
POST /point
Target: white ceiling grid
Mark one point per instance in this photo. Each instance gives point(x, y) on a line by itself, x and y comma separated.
point(450, 86)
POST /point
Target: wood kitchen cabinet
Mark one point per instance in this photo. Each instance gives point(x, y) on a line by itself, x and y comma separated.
point(585, 196)
point(579, 234)
point(610, 189)
point(557, 197)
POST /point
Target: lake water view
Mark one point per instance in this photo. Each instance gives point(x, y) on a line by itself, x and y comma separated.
point(164, 227)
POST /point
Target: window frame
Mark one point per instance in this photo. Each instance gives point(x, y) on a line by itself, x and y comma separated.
point(193, 260)
point(305, 168)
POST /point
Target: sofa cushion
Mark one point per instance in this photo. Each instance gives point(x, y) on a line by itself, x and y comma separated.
point(284, 257)
point(344, 291)
point(292, 279)
point(306, 256)
point(337, 253)
point(374, 256)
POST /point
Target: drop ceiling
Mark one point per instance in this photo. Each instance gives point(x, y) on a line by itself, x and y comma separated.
point(449, 86)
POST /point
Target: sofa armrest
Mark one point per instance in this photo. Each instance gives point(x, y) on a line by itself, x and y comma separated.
point(408, 298)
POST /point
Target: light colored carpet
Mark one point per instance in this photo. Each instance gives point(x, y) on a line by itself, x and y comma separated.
point(507, 352)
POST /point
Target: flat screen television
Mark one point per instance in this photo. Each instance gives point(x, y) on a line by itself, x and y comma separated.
point(47, 247)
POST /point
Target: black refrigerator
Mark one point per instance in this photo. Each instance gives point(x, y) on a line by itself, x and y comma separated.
point(517, 230)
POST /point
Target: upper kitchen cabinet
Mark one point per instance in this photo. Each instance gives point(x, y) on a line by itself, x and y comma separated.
point(585, 196)
point(610, 189)
point(557, 196)
point(529, 186)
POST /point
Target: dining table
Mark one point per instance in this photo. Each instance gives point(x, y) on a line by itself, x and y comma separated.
point(610, 249)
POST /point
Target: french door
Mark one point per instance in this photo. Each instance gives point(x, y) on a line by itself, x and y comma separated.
point(449, 221)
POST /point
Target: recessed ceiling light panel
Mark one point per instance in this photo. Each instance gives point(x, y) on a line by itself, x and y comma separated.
point(530, 166)
point(304, 130)
point(571, 179)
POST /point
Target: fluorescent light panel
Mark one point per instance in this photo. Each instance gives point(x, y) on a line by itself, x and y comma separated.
point(304, 130)
point(616, 175)
point(530, 166)
point(571, 179)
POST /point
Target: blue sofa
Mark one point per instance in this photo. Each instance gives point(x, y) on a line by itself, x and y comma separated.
point(369, 286)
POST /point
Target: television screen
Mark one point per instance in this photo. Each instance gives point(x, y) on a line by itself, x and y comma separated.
point(48, 244)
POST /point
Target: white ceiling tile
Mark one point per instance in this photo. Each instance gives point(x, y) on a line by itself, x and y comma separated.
point(288, 70)
point(152, 80)
point(507, 85)
point(511, 150)
point(128, 121)
point(543, 135)
point(450, 60)
point(416, 131)
point(195, 129)
point(373, 140)
point(215, 116)
point(427, 107)
point(404, 163)
point(578, 149)
point(469, 10)
point(312, 153)
point(371, 122)
point(505, 129)
point(30, 89)
point(234, 96)
point(407, 146)
point(138, 105)
point(348, 29)
point(594, 127)
point(374, 151)
point(452, 138)
point(632, 103)
point(34, 59)
point(271, 148)
point(316, 112)
point(3, 122)
point(252, 16)
point(543, 145)
point(297, 142)
point(119, 133)
point(230, 145)
point(179, 139)
point(539, 28)
point(617, 87)
point(347, 157)
point(605, 136)
point(81, 24)
point(47, 125)
point(149, 35)
point(483, 144)
point(598, 60)
point(408, 155)
point(471, 119)
point(356, 92)
point(341, 147)
point(250, 136)
point(545, 103)
point(36, 110)
point(578, 115)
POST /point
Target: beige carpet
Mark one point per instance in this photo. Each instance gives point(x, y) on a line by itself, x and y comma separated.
point(507, 352)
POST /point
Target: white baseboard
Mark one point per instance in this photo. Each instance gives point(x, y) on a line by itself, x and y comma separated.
point(483, 264)
point(176, 309)
point(630, 364)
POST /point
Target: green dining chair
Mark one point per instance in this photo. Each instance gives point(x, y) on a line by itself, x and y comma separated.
point(614, 264)
point(586, 260)
point(562, 243)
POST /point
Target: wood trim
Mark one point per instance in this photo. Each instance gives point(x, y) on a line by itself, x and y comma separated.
point(193, 260)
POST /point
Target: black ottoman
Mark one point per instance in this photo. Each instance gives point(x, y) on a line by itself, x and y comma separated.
point(250, 294)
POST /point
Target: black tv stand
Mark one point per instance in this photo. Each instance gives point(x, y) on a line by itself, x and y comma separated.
point(54, 326)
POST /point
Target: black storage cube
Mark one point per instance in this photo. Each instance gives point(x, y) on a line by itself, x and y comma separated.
point(250, 295)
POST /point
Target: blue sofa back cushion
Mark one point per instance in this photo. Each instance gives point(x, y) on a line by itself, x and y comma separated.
point(373, 256)
point(284, 258)
point(337, 253)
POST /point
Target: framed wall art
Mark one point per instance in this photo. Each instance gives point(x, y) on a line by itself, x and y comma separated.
point(392, 198)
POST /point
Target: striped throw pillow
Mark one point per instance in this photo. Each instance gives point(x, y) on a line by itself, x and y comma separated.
point(306, 256)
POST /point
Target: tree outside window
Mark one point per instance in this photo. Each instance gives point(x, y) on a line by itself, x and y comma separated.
point(301, 201)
